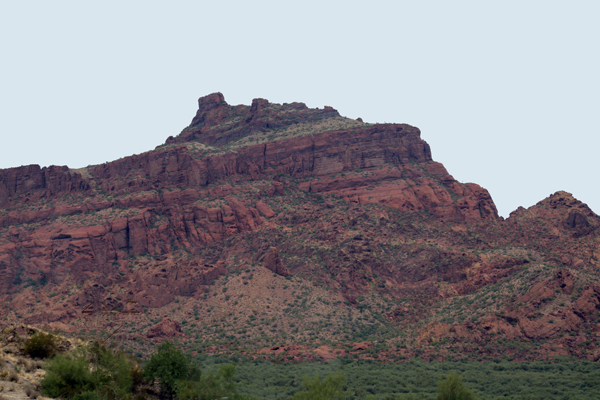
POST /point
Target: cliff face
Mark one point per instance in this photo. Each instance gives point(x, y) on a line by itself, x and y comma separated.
point(21, 183)
point(387, 164)
point(343, 211)
point(395, 164)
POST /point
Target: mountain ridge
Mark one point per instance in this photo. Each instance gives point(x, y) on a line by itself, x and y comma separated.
point(302, 218)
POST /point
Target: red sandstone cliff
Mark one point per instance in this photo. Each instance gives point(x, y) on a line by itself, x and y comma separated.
point(356, 207)
point(32, 182)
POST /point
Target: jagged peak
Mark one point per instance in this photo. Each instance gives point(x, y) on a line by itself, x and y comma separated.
point(562, 198)
point(559, 200)
point(217, 123)
point(564, 211)
point(206, 104)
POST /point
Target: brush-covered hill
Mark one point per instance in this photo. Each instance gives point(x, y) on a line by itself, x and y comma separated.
point(294, 232)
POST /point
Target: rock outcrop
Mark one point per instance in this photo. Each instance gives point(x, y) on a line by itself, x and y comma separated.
point(274, 263)
point(32, 183)
point(165, 329)
point(218, 123)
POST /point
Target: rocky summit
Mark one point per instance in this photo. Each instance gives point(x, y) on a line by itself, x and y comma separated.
point(285, 232)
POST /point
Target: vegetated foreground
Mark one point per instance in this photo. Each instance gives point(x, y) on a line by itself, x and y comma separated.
point(74, 369)
point(487, 380)
point(286, 233)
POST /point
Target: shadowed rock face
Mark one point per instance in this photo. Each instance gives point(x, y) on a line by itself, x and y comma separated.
point(357, 208)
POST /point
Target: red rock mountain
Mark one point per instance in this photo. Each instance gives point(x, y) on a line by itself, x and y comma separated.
point(279, 224)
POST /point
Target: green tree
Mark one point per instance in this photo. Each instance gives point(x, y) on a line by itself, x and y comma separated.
point(88, 373)
point(170, 365)
point(451, 387)
point(329, 388)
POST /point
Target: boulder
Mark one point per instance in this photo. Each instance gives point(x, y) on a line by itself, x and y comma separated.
point(166, 328)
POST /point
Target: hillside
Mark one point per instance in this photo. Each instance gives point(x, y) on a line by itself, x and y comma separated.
point(281, 231)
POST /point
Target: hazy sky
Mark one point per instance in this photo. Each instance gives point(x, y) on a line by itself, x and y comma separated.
point(506, 93)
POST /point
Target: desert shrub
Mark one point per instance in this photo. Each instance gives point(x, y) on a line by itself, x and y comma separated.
point(211, 386)
point(88, 373)
point(451, 387)
point(41, 345)
point(68, 376)
point(13, 376)
point(170, 365)
point(31, 392)
point(114, 371)
point(11, 350)
point(29, 366)
point(25, 364)
point(137, 375)
point(317, 388)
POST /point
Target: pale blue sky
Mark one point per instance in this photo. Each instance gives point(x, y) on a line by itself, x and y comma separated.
point(506, 93)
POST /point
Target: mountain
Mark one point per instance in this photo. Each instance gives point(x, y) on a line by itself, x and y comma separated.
point(276, 230)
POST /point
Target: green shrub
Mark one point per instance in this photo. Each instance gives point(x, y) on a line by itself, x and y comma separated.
point(87, 396)
point(68, 376)
point(452, 387)
point(317, 389)
point(211, 386)
point(170, 365)
point(41, 345)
